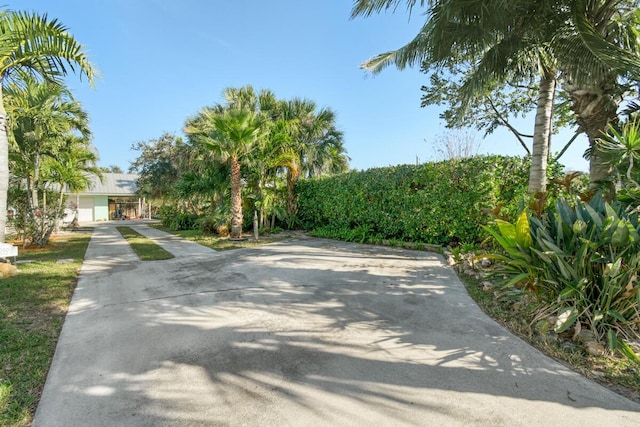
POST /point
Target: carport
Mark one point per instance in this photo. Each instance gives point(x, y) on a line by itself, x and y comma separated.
point(112, 197)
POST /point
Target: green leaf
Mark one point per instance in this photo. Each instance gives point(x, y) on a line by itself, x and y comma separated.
point(565, 269)
point(633, 233)
point(612, 340)
point(507, 230)
point(620, 235)
point(568, 292)
point(506, 244)
point(614, 268)
point(566, 319)
point(616, 343)
point(517, 279)
point(522, 230)
point(616, 315)
point(610, 212)
point(550, 246)
point(544, 256)
point(595, 217)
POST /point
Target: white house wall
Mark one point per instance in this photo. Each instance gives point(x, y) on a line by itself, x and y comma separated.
point(86, 206)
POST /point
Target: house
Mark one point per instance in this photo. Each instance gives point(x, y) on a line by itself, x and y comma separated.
point(113, 197)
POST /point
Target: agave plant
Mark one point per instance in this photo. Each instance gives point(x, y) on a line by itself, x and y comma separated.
point(580, 261)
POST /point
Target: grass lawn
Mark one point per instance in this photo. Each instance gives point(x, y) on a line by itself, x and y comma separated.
point(223, 243)
point(145, 248)
point(32, 309)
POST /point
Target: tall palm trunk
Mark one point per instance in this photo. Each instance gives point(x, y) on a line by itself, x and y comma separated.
point(261, 196)
point(34, 182)
point(595, 108)
point(236, 199)
point(293, 173)
point(542, 135)
point(60, 198)
point(4, 167)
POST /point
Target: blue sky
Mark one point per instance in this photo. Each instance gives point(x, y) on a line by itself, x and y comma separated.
point(161, 61)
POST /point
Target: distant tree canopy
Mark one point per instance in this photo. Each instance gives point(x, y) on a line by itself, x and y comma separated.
point(111, 169)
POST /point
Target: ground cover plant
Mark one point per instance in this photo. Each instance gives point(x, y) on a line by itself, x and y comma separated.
point(32, 309)
point(145, 248)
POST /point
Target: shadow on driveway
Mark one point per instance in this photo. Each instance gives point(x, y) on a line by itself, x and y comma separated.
point(303, 332)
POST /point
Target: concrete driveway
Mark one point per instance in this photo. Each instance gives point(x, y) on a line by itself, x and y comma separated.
point(303, 332)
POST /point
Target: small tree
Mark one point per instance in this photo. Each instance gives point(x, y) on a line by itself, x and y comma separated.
point(232, 135)
point(456, 144)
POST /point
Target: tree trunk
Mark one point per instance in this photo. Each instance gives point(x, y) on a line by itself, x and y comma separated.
point(595, 108)
point(236, 199)
point(261, 196)
point(34, 182)
point(61, 198)
point(542, 135)
point(4, 168)
point(293, 174)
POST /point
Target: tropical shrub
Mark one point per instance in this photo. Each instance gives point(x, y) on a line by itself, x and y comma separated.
point(175, 219)
point(580, 262)
point(35, 226)
point(620, 149)
point(438, 203)
point(208, 224)
point(217, 223)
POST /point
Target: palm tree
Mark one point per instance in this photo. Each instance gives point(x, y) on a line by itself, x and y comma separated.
point(232, 134)
point(43, 116)
point(75, 161)
point(267, 157)
point(591, 43)
point(308, 150)
point(499, 41)
point(32, 44)
point(602, 44)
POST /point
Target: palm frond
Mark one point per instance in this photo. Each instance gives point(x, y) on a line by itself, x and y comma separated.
point(367, 8)
point(40, 46)
point(597, 52)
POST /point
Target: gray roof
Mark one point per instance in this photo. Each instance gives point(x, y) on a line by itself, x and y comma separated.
point(113, 184)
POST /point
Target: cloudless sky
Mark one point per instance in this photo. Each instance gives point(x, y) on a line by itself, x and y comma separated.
point(161, 61)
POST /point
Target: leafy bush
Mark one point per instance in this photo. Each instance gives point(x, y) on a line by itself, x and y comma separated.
point(214, 224)
point(208, 224)
point(175, 219)
point(580, 260)
point(438, 203)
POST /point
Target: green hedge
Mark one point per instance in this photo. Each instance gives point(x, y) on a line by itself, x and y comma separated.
point(439, 203)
